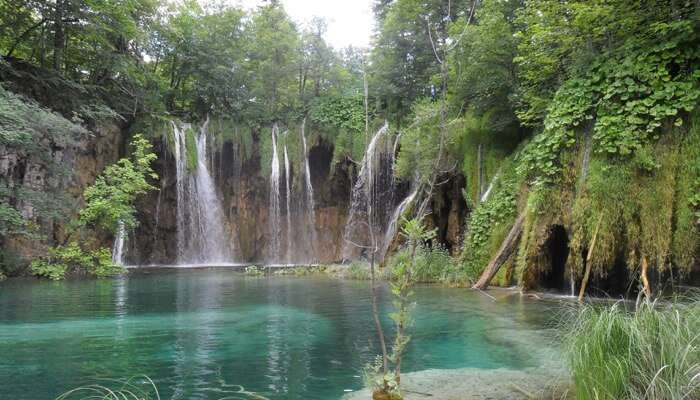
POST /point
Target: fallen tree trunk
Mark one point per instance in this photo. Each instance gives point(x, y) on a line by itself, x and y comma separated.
point(589, 260)
point(507, 248)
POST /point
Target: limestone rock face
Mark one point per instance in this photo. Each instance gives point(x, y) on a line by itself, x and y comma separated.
point(82, 162)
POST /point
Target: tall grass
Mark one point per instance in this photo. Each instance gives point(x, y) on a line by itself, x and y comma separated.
point(650, 353)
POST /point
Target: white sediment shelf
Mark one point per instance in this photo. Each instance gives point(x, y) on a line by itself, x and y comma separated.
point(475, 383)
point(236, 266)
point(547, 377)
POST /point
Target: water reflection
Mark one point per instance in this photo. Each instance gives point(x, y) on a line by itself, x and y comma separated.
point(198, 334)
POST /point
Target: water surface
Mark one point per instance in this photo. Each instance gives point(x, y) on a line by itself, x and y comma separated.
point(197, 333)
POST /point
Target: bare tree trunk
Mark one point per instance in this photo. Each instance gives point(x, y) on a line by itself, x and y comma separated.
point(59, 36)
point(375, 312)
point(507, 248)
point(366, 85)
point(589, 258)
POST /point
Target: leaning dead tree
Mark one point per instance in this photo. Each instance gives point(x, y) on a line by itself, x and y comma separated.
point(504, 252)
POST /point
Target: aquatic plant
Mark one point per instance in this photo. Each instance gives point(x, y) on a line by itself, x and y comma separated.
point(141, 388)
point(254, 270)
point(135, 388)
point(650, 353)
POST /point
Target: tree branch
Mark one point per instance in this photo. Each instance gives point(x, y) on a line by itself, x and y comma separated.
point(23, 35)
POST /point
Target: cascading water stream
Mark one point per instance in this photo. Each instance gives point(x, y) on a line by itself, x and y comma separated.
point(118, 246)
point(371, 195)
point(487, 193)
point(392, 228)
point(309, 203)
point(287, 172)
point(275, 214)
point(201, 238)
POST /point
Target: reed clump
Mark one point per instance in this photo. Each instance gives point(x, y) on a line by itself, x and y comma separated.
point(652, 352)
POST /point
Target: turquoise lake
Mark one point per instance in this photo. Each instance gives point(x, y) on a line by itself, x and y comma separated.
point(199, 333)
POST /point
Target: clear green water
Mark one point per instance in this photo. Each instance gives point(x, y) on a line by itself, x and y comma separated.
point(198, 332)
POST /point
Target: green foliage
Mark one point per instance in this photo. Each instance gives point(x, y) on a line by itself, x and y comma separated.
point(633, 208)
point(238, 134)
point(72, 259)
point(109, 202)
point(433, 264)
point(11, 221)
point(403, 62)
point(44, 269)
point(489, 224)
point(651, 353)
point(482, 72)
point(644, 84)
point(343, 118)
point(374, 379)
point(191, 148)
point(686, 236)
point(32, 134)
point(630, 91)
point(558, 40)
point(24, 125)
point(357, 270)
point(420, 142)
point(254, 270)
point(346, 113)
point(93, 43)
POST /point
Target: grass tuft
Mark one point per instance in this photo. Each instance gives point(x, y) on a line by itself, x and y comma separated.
point(650, 353)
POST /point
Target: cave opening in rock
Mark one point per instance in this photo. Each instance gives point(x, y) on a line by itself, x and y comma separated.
point(556, 250)
point(615, 282)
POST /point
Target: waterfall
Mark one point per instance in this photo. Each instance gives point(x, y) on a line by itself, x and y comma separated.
point(392, 228)
point(487, 193)
point(201, 238)
point(372, 196)
point(289, 196)
point(118, 246)
point(275, 214)
point(309, 203)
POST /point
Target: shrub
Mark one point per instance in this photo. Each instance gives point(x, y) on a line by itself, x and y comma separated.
point(432, 264)
point(357, 270)
point(46, 269)
point(72, 259)
point(651, 353)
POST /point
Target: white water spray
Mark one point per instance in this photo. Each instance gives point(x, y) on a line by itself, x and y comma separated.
point(372, 195)
point(118, 246)
point(201, 238)
point(393, 226)
point(275, 213)
point(309, 201)
point(487, 193)
point(287, 172)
